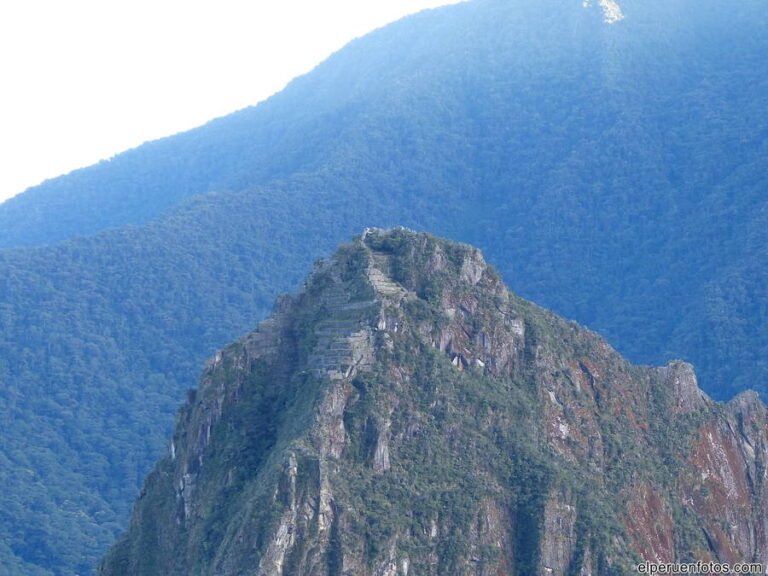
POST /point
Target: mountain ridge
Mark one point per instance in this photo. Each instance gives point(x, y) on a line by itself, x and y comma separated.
point(423, 398)
point(645, 162)
point(612, 173)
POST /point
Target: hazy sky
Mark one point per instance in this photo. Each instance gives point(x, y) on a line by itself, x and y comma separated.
point(85, 79)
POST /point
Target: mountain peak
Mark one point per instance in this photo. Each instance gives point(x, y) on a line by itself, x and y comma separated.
point(406, 412)
point(615, 172)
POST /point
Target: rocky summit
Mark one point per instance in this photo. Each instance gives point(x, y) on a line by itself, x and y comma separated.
point(406, 414)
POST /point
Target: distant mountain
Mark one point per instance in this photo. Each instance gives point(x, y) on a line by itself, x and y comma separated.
point(405, 413)
point(613, 170)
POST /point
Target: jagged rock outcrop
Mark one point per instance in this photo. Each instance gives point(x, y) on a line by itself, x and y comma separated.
point(406, 414)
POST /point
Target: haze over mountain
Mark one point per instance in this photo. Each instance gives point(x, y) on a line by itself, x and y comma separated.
point(406, 414)
point(612, 171)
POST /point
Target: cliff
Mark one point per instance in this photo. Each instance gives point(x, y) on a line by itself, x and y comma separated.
point(405, 413)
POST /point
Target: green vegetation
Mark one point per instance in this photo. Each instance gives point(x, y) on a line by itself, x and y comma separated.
point(615, 174)
point(450, 466)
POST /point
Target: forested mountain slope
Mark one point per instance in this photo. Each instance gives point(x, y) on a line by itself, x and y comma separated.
point(615, 172)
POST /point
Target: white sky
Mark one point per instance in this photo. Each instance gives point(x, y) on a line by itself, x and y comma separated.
point(81, 80)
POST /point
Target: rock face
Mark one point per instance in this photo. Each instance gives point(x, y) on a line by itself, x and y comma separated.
point(406, 414)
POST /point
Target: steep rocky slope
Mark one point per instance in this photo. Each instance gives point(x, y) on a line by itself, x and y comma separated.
point(406, 414)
